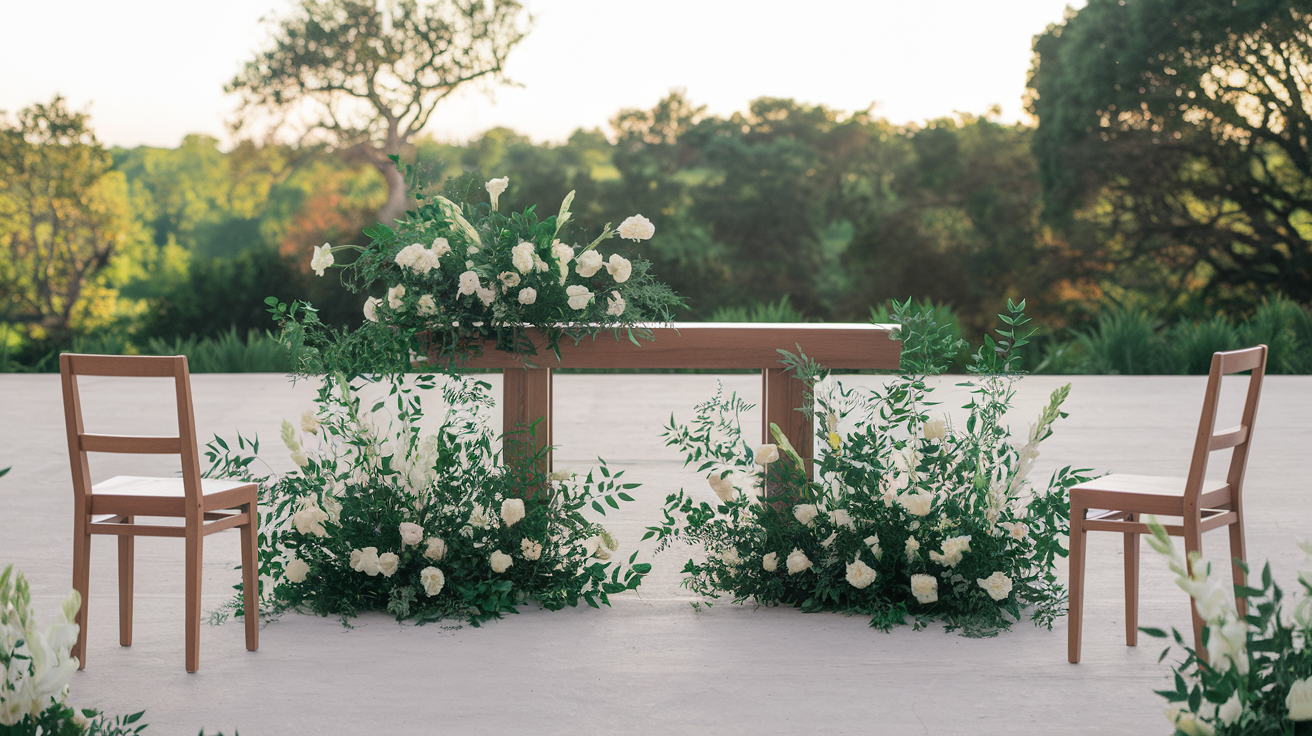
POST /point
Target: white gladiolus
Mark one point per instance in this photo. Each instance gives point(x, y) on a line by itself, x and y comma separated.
point(500, 561)
point(436, 549)
point(371, 308)
point(40, 668)
point(770, 562)
point(1016, 529)
point(797, 561)
point(636, 227)
point(723, 487)
point(495, 188)
point(579, 296)
point(588, 264)
point(322, 259)
point(532, 550)
point(309, 422)
point(619, 268)
point(528, 295)
point(512, 510)
point(433, 580)
point(1188, 723)
point(860, 575)
point(1230, 710)
point(924, 588)
point(935, 429)
point(296, 570)
point(840, 517)
point(913, 549)
point(872, 542)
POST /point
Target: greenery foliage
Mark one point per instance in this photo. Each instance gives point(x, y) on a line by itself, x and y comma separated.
point(908, 515)
point(387, 513)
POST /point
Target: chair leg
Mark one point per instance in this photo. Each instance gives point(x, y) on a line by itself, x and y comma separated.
point(250, 581)
point(1075, 612)
point(126, 550)
point(1131, 588)
point(1193, 542)
point(82, 584)
point(193, 562)
point(1239, 554)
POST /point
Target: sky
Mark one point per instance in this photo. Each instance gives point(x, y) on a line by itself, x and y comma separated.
point(152, 71)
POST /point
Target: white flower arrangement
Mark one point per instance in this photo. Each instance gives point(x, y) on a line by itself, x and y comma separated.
point(974, 544)
point(35, 664)
point(381, 517)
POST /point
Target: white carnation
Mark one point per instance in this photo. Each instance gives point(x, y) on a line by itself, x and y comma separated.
point(588, 264)
point(532, 550)
point(487, 296)
point(619, 268)
point(797, 561)
point(918, 503)
point(579, 296)
point(860, 575)
point(636, 227)
point(500, 561)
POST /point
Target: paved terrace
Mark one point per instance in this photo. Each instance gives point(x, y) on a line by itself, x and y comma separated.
point(651, 664)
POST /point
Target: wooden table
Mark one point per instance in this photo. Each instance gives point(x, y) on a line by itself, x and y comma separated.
point(693, 345)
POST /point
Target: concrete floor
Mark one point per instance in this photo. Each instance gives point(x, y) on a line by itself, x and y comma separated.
point(651, 664)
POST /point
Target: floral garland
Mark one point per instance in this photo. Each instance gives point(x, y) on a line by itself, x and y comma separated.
point(380, 516)
point(911, 515)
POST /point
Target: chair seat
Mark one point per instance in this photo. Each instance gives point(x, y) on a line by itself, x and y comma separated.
point(138, 496)
point(1146, 494)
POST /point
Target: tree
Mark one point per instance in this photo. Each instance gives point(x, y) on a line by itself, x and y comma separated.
point(366, 75)
point(1175, 146)
point(63, 216)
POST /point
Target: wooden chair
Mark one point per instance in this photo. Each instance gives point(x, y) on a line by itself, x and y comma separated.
point(1117, 503)
point(112, 506)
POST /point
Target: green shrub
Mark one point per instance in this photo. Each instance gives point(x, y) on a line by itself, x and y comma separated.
point(260, 352)
point(1193, 343)
point(1286, 329)
point(1126, 342)
point(780, 311)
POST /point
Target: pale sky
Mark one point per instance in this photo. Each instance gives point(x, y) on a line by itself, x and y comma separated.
point(152, 71)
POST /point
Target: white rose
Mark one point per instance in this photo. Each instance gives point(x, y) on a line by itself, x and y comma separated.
point(432, 580)
point(532, 550)
point(766, 454)
point(521, 257)
point(579, 296)
point(323, 258)
point(636, 227)
point(840, 517)
point(387, 563)
point(913, 546)
point(617, 305)
point(797, 561)
point(528, 295)
point(935, 429)
point(561, 474)
point(731, 558)
point(309, 520)
point(394, 296)
point(468, 283)
point(588, 264)
point(487, 296)
point(538, 263)
point(365, 560)
point(371, 308)
point(512, 510)
point(917, 504)
point(509, 279)
point(924, 588)
point(805, 513)
point(500, 561)
point(411, 534)
point(619, 268)
point(770, 562)
point(296, 570)
point(860, 575)
point(872, 542)
point(427, 306)
point(723, 487)
point(997, 585)
point(416, 258)
point(562, 253)
point(495, 188)
point(440, 247)
point(436, 549)
point(952, 550)
point(309, 422)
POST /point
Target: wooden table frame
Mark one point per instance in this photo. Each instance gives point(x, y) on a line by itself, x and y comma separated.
point(526, 394)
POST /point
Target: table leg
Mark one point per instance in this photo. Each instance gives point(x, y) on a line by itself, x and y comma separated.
point(781, 395)
point(526, 398)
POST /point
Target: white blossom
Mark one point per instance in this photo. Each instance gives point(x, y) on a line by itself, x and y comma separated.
point(433, 580)
point(500, 561)
point(579, 296)
point(619, 268)
point(468, 283)
point(296, 570)
point(770, 562)
point(859, 574)
point(512, 510)
point(495, 188)
point(322, 259)
point(924, 588)
point(532, 550)
point(997, 585)
point(528, 295)
point(521, 257)
point(636, 227)
point(371, 308)
point(616, 306)
point(797, 561)
point(588, 264)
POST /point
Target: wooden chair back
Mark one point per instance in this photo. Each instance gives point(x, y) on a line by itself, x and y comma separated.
point(80, 442)
point(1210, 440)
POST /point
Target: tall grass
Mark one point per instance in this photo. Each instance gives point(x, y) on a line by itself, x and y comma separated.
point(259, 352)
point(780, 311)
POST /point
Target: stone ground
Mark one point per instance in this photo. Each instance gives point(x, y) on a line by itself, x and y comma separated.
point(650, 664)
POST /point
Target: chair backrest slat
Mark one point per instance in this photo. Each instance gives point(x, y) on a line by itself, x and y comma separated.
point(81, 442)
point(1240, 438)
point(134, 445)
